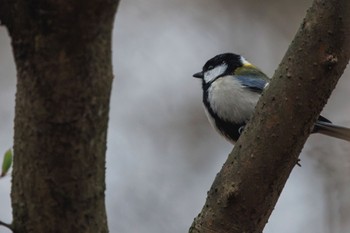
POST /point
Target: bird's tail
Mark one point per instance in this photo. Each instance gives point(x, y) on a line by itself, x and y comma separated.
point(329, 129)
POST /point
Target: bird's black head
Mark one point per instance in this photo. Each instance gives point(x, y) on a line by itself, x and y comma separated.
point(220, 65)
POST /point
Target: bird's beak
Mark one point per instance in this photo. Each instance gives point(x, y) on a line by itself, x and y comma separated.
point(199, 75)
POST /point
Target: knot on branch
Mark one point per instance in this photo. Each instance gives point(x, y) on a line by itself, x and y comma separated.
point(330, 61)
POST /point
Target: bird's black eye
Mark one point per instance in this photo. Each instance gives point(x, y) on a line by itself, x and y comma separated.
point(210, 67)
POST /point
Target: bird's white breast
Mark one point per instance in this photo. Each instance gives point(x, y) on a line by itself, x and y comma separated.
point(230, 101)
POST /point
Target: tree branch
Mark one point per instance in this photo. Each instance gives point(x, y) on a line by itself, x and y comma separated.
point(9, 226)
point(247, 188)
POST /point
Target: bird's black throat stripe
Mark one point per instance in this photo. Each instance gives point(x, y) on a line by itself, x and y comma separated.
point(205, 86)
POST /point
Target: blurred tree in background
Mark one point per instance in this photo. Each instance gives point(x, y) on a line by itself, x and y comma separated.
point(63, 56)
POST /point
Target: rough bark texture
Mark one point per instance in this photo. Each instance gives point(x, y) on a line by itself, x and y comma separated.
point(246, 190)
point(62, 52)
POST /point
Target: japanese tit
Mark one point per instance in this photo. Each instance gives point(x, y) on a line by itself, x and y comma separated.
point(232, 87)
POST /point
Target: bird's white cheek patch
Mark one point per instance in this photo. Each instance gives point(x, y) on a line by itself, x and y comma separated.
point(213, 73)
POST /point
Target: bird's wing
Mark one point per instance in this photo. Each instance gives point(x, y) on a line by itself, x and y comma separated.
point(251, 82)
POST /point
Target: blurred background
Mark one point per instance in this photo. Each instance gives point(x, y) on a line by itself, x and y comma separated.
point(162, 153)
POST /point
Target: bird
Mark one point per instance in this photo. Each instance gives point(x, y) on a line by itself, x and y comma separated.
point(232, 87)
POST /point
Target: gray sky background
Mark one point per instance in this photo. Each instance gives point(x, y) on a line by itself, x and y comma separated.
point(162, 153)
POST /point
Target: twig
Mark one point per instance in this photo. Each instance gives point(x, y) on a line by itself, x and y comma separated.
point(9, 226)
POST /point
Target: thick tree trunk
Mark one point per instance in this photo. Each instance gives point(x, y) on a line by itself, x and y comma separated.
point(246, 190)
point(62, 51)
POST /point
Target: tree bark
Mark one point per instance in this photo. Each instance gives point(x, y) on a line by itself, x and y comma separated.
point(247, 188)
point(62, 52)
